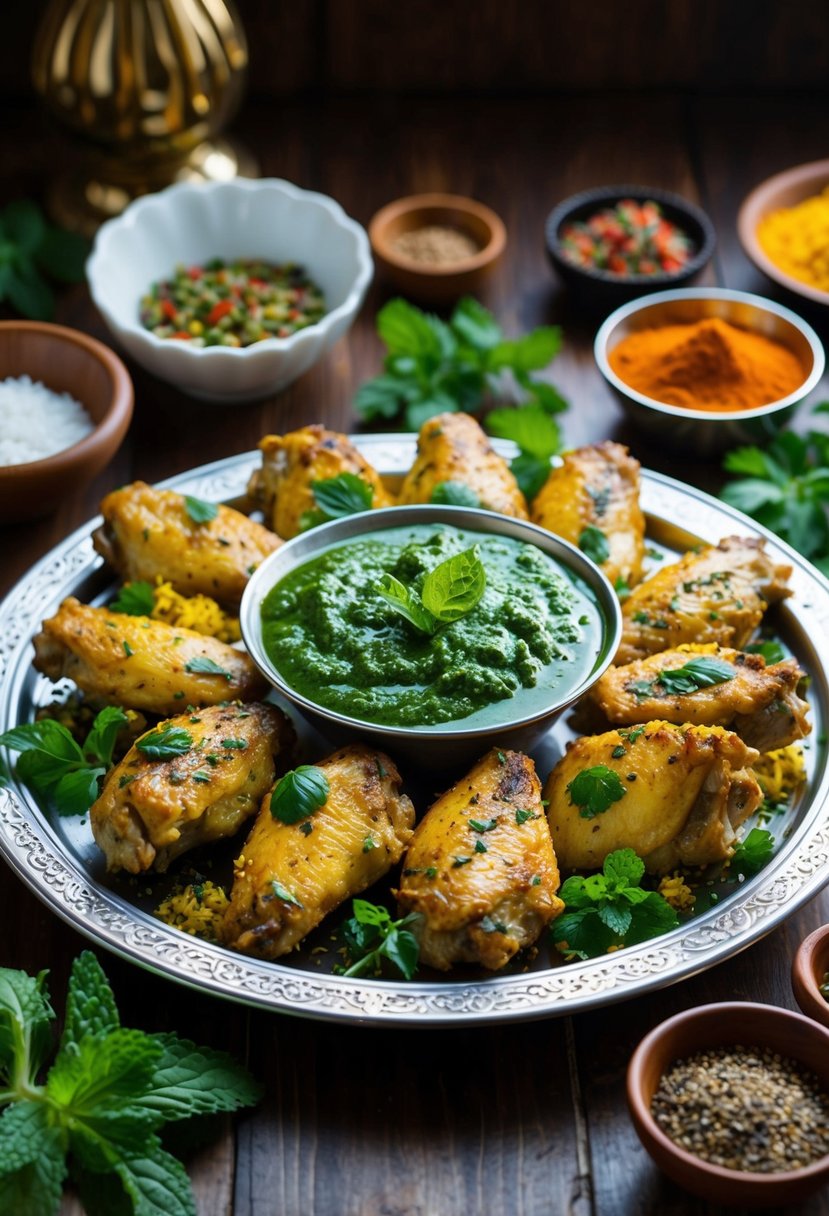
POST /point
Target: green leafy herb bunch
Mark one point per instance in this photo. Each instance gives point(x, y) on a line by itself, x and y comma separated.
point(33, 251)
point(97, 1112)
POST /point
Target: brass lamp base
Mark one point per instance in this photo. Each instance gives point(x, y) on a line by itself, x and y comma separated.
point(85, 197)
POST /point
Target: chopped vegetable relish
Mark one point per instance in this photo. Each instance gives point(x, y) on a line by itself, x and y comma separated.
point(232, 303)
point(628, 239)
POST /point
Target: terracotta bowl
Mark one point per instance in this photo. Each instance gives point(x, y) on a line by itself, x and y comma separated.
point(783, 190)
point(809, 969)
point(429, 283)
point(66, 361)
point(725, 1025)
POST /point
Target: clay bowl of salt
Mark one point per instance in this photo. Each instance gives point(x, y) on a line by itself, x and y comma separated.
point(65, 404)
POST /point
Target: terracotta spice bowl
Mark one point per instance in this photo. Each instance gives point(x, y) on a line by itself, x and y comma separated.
point(809, 967)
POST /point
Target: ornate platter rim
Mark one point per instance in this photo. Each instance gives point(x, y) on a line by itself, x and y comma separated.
point(796, 873)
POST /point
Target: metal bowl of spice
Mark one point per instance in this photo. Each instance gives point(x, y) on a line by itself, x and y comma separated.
point(702, 369)
point(437, 247)
point(732, 1102)
point(65, 405)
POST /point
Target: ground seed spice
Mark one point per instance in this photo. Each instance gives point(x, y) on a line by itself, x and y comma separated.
point(744, 1108)
point(436, 244)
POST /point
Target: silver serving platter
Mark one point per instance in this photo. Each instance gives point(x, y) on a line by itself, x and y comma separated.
point(59, 862)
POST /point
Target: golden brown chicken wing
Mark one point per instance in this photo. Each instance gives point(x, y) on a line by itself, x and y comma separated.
point(291, 463)
point(140, 663)
point(481, 868)
point(290, 876)
point(148, 533)
point(716, 595)
point(153, 808)
point(673, 794)
point(597, 487)
point(453, 448)
point(759, 703)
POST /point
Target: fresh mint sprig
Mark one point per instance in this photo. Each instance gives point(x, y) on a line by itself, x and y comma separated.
point(609, 910)
point(785, 486)
point(336, 497)
point(448, 592)
point(105, 1096)
point(58, 768)
point(372, 936)
point(32, 251)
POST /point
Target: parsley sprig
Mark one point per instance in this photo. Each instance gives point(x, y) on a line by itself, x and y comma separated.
point(56, 767)
point(372, 936)
point(786, 487)
point(594, 790)
point(105, 1096)
point(753, 853)
point(134, 599)
point(610, 909)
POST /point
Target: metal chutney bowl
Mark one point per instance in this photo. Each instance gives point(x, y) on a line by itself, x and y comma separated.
point(706, 432)
point(448, 744)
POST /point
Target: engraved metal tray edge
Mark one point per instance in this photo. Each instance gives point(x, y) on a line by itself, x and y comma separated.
point(796, 873)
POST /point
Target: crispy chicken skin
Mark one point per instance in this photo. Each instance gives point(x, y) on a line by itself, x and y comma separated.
point(759, 703)
point(147, 533)
point(482, 906)
point(716, 595)
point(140, 663)
point(452, 447)
point(597, 486)
point(685, 793)
point(320, 868)
point(150, 811)
point(282, 487)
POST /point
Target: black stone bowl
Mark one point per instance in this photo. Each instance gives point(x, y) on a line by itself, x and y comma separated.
point(599, 291)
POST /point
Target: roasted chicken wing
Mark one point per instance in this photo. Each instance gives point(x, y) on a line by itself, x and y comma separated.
point(153, 809)
point(673, 794)
point(481, 868)
point(148, 533)
point(597, 487)
point(290, 876)
point(291, 463)
point(759, 703)
point(140, 663)
point(453, 448)
point(716, 595)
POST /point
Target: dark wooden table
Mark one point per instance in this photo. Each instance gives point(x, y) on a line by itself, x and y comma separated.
point(531, 1118)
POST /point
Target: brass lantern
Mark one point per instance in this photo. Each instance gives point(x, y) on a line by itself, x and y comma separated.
point(148, 85)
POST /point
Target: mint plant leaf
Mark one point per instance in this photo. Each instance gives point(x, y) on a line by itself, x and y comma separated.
point(771, 651)
point(62, 255)
point(201, 665)
point(25, 1031)
point(531, 473)
point(383, 397)
point(99, 1073)
point(299, 793)
point(455, 586)
point(371, 935)
point(475, 325)
point(23, 223)
point(104, 731)
point(191, 1080)
point(594, 544)
point(530, 353)
point(134, 599)
point(155, 1181)
point(163, 744)
point(623, 867)
point(703, 671)
point(529, 426)
point(408, 331)
point(29, 292)
point(75, 791)
point(753, 853)
point(32, 1161)
point(651, 917)
point(405, 603)
point(345, 494)
point(90, 1005)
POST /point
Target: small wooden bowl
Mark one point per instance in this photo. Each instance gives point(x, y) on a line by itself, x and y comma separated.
point(809, 967)
point(66, 361)
point(429, 283)
point(725, 1025)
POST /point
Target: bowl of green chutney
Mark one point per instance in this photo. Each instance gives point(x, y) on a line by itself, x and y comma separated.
point(434, 632)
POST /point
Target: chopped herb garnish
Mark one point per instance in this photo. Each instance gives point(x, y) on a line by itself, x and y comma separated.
point(594, 544)
point(772, 652)
point(483, 825)
point(372, 936)
point(201, 665)
point(493, 926)
point(431, 872)
point(368, 844)
point(525, 816)
point(480, 847)
point(235, 745)
point(753, 853)
point(202, 778)
point(200, 512)
point(284, 894)
point(128, 650)
point(162, 744)
point(460, 861)
point(134, 599)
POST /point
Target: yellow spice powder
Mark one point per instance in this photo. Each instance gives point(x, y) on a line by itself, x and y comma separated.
point(796, 239)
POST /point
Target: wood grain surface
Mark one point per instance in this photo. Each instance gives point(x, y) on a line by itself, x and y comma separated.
point(527, 1119)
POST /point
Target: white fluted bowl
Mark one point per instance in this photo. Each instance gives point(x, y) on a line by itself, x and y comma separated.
point(192, 223)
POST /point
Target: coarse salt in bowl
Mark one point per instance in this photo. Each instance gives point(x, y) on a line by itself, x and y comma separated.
point(270, 220)
point(36, 422)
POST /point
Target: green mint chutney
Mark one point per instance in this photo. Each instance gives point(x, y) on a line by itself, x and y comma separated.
point(331, 636)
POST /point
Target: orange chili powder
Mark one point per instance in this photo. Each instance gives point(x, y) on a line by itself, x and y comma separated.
point(709, 365)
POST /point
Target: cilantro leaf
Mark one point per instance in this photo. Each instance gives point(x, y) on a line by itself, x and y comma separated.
point(200, 512)
point(753, 853)
point(455, 586)
point(594, 544)
point(100, 741)
point(345, 494)
point(32, 1160)
point(595, 790)
point(299, 793)
point(455, 494)
point(405, 602)
point(201, 665)
point(163, 744)
point(134, 599)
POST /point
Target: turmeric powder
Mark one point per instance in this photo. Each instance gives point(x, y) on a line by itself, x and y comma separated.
point(708, 365)
point(797, 239)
